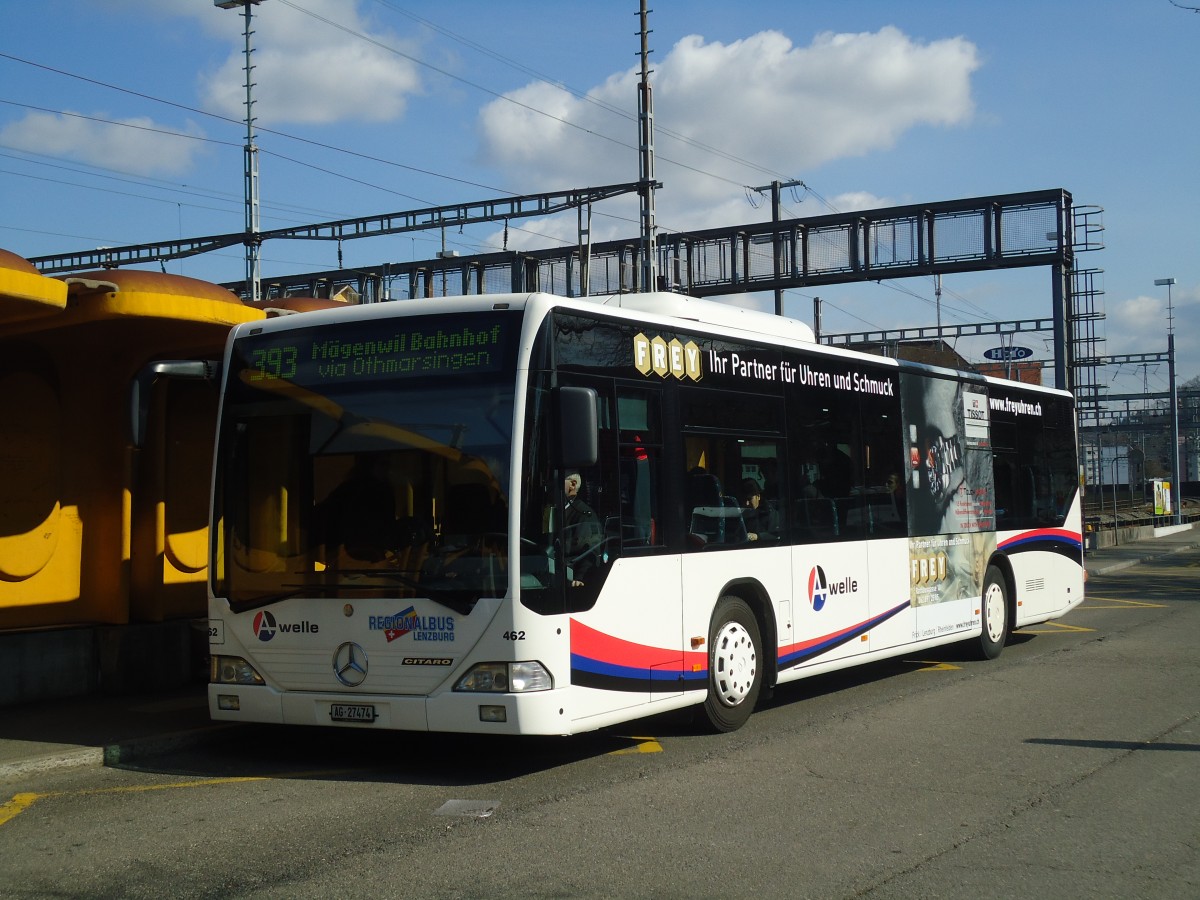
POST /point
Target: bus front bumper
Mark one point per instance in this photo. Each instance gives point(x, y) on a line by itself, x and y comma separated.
point(538, 712)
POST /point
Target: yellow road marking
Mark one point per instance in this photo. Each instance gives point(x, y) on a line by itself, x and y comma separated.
point(935, 666)
point(646, 745)
point(1120, 604)
point(21, 802)
point(1055, 628)
point(142, 788)
point(17, 805)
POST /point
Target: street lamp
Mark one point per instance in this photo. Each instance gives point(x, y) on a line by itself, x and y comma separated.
point(1176, 485)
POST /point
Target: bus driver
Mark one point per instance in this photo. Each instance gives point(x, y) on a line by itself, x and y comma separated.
point(581, 530)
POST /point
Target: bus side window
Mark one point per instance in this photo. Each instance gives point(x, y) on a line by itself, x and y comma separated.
point(639, 497)
point(1003, 475)
point(639, 523)
point(881, 487)
point(762, 507)
point(823, 481)
point(731, 494)
point(714, 518)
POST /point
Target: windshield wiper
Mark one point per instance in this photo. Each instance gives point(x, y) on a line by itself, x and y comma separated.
point(389, 574)
point(268, 599)
point(459, 596)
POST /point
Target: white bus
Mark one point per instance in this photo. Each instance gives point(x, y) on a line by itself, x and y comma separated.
point(526, 514)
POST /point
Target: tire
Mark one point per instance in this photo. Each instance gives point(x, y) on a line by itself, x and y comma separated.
point(735, 665)
point(994, 609)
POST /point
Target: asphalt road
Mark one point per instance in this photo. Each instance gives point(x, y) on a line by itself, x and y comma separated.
point(1070, 767)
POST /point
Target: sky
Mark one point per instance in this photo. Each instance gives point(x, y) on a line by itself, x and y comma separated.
point(122, 122)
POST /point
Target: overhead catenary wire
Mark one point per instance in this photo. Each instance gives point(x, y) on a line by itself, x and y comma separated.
point(261, 129)
point(390, 162)
point(358, 35)
point(226, 119)
point(584, 96)
point(152, 183)
point(417, 61)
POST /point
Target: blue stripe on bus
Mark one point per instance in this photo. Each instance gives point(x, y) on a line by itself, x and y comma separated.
point(1048, 540)
point(810, 649)
point(595, 673)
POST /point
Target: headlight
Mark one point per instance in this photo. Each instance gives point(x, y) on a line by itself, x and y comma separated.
point(506, 678)
point(233, 670)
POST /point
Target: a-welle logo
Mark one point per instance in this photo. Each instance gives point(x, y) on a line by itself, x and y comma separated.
point(821, 589)
point(667, 358)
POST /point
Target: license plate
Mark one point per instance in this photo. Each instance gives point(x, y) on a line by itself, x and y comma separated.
point(352, 712)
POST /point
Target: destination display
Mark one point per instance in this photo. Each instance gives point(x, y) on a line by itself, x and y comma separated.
point(397, 348)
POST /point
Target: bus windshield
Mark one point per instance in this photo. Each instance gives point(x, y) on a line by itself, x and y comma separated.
point(333, 481)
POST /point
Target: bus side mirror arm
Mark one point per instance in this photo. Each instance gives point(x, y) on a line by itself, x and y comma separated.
point(139, 389)
point(579, 438)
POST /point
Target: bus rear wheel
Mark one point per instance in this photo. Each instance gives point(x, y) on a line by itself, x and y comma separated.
point(994, 608)
point(735, 666)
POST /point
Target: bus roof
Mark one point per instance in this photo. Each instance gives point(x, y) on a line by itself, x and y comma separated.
point(661, 303)
point(709, 312)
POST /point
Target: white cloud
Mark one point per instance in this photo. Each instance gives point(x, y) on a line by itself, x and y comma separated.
point(137, 145)
point(856, 200)
point(762, 100)
point(1138, 325)
point(309, 71)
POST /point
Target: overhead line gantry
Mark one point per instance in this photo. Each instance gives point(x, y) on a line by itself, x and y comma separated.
point(450, 216)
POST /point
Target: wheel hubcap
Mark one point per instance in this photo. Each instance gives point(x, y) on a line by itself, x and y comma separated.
point(735, 664)
point(994, 604)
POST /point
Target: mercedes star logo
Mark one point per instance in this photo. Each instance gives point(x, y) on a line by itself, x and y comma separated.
point(350, 664)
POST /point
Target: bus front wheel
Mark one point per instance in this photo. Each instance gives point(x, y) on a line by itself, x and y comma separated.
point(994, 608)
point(735, 666)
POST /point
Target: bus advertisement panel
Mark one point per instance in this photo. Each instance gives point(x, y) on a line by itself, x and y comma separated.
point(952, 503)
